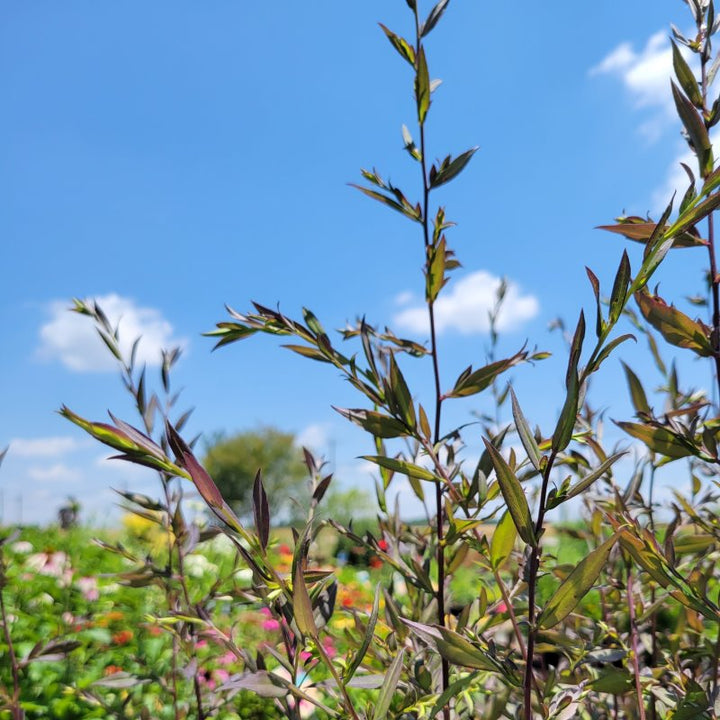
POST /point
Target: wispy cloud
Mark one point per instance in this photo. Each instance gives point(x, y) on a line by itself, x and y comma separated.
point(58, 473)
point(645, 74)
point(315, 437)
point(43, 447)
point(72, 339)
point(466, 305)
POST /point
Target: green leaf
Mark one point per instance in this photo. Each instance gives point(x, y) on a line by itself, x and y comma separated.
point(618, 298)
point(401, 466)
point(599, 322)
point(302, 607)
point(694, 215)
point(367, 639)
point(400, 44)
point(696, 130)
point(447, 172)
point(407, 210)
point(686, 77)
point(422, 86)
point(503, 540)
point(433, 17)
point(607, 350)
point(676, 327)
point(308, 352)
point(452, 646)
point(526, 436)
point(392, 677)
point(471, 383)
point(576, 585)
point(514, 496)
point(591, 477)
point(375, 423)
point(657, 439)
point(436, 278)
point(637, 392)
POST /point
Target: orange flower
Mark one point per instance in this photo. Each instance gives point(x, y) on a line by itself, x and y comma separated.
point(112, 669)
point(123, 637)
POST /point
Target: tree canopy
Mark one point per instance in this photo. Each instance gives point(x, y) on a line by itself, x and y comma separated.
point(233, 462)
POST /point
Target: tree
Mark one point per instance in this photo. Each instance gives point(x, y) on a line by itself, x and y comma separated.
point(234, 461)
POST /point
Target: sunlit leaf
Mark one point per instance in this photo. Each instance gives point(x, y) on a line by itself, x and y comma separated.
point(422, 86)
point(401, 466)
point(503, 540)
point(401, 45)
point(696, 130)
point(676, 327)
point(576, 585)
point(514, 496)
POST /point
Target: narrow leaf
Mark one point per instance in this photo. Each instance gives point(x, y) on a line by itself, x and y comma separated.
point(422, 86)
point(401, 466)
point(453, 169)
point(367, 639)
point(503, 540)
point(676, 327)
point(514, 496)
point(657, 439)
point(433, 17)
point(392, 677)
point(618, 297)
point(686, 77)
point(526, 436)
point(261, 511)
point(400, 44)
point(637, 392)
point(696, 130)
point(591, 477)
point(576, 585)
point(302, 607)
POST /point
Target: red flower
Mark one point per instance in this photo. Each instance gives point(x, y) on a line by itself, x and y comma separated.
point(123, 637)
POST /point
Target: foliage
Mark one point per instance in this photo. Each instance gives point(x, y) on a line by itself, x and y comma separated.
point(628, 627)
point(234, 462)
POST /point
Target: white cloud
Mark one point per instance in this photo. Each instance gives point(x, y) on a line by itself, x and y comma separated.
point(73, 340)
point(314, 437)
point(646, 74)
point(43, 447)
point(466, 305)
point(58, 473)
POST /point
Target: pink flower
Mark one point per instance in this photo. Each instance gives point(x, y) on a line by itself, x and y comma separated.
point(269, 624)
point(88, 587)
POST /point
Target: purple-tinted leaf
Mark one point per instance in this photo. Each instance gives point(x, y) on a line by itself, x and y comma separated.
point(261, 511)
point(433, 17)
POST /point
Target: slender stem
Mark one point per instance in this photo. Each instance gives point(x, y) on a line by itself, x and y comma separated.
point(511, 612)
point(534, 568)
point(341, 685)
point(439, 526)
point(16, 710)
point(634, 643)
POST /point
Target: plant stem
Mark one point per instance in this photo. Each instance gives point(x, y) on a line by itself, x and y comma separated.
point(535, 556)
point(439, 526)
point(634, 642)
point(17, 712)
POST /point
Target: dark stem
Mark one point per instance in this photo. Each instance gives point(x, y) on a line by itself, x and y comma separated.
point(535, 556)
point(634, 642)
point(439, 528)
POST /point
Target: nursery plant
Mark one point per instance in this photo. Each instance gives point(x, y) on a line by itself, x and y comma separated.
point(627, 630)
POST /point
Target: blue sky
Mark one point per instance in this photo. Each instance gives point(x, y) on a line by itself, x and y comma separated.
point(168, 158)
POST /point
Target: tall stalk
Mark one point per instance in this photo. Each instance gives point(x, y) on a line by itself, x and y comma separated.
point(439, 525)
